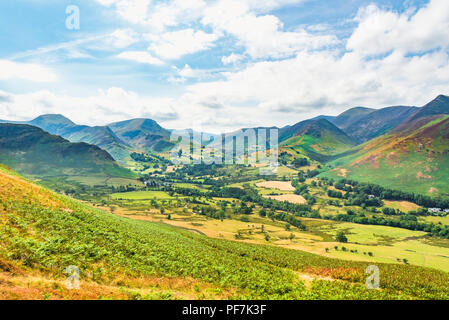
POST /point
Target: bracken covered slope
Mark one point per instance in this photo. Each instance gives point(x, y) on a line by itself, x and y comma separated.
point(42, 233)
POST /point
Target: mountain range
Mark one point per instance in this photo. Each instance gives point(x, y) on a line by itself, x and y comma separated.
point(398, 145)
point(412, 156)
point(34, 152)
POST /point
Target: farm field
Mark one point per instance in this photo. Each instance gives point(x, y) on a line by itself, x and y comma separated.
point(280, 185)
point(166, 262)
point(386, 244)
point(292, 198)
point(142, 195)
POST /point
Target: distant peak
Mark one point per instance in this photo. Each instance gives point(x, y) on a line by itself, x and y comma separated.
point(442, 97)
point(59, 118)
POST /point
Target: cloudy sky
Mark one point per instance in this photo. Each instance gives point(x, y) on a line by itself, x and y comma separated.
point(219, 65)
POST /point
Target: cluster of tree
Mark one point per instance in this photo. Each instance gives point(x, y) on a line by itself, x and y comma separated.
point(199, 170)
point(390, 194)
point(153, 158)
point(282, 216)
point(405, 221)
point(354, 196)
point(245, 209)
point(210, 212)
point(300, 162)
point(334, 194)
point(127, 188)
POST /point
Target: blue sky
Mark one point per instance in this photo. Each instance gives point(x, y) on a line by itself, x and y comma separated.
point(219, 65)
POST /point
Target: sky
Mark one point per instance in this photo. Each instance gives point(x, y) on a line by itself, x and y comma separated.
point(218, 65)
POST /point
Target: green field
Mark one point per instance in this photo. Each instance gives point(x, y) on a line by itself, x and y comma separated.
point(47, 232)
point(143, 195)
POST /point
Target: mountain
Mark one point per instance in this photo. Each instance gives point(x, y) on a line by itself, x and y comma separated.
point(34, 152)
point(102, 137)
point(316, 139)
point(53, 123)
point(413, 157)
point(438, 106)
point(143, 134)
point(328, 118)
point(351, 116)
point(374, 123)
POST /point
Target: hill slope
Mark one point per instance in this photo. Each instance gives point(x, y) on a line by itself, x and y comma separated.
point(53, 123)
point(34, 152)
point(415, 160)
point(351, 116)
point(377, 123)
point(143, 134)
point(316, 139)
point(43, 233)
point(100, 136)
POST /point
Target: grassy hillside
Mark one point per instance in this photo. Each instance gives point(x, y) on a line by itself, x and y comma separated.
point(42, 233)
point(317, 140)
point(143, 134)
point(52, 123)
point(31, 151)
point(414, 160)
point(100, 136)
point(377, 123)
point(351, 116)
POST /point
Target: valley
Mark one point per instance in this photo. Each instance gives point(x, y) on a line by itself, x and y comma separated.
point(121, 258)
point(139, 226)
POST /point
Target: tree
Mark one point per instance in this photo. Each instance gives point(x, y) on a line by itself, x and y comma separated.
point(341, 237)
point(263, 213)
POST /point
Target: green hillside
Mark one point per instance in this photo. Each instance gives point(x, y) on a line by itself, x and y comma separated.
point(102, 137)
point(351, 116)
point(377, 123)
point(316, 139)
point(414, 160)
point(52, 123)
point(34, 152)
point(43, 233)
point(143, 134)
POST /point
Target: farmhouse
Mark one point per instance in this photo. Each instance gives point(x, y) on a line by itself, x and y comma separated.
point(434, 210)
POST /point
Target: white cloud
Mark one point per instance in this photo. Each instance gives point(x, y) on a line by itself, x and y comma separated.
point(118, 39)
point(141, 57)
point(122, 38)
point(232, 59)
point(106, 3)
point(380, 31)
point(113, 104)
point(262, 35)
point(266, 5)
point(310, 75)
point(25, 71)
point(187, 72)
point(174, 13)
point(173, 45)
point(324, 82)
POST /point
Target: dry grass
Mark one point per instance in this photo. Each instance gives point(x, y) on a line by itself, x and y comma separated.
point(292, 198)
point(42, 287)
point(280, 185)
point(404, 206)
